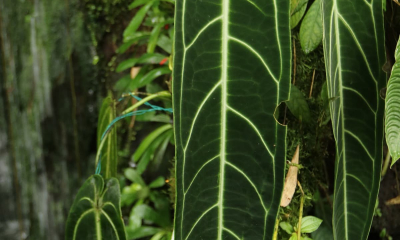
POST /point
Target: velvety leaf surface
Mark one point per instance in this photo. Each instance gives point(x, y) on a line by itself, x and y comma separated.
point(354, 56)
point(392, 107)
point(96, 212)
point(109, 155)
point(231, 70)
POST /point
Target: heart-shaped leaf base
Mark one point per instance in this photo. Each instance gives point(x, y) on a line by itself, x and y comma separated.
point(96, 212)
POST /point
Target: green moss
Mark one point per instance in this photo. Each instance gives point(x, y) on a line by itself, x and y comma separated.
point(313, 137)
point(104, 15)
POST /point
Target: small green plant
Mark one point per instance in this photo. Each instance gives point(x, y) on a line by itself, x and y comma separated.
point(308, 225)
point(146, 49)
point(148, 40)
point(384, 235)
point(311, 29)
point(150, 214)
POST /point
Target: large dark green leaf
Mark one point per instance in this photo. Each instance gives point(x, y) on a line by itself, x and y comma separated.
point(354, 55)
point(109, 154)
point(392, 107)
point(96, 212)
point(231, 70)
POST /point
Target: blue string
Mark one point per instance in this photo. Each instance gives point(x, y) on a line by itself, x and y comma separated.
point(134, 113)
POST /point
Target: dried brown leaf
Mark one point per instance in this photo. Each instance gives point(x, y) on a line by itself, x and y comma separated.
point(134, 72)
point(291, 180)
point(393, 201)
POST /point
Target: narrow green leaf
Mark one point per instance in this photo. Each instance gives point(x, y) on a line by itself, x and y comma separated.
point(149, 58)
point(298, 105)
point(142, 232)
point(109, 153)
point(231, 70)
point(155, 33)
point(151, 152)
point(137, 20)
point(311, 31)
point(126, 64)
point(144, 160)
point(137, 3)
point(159, 236)
point(132, 39)
point(297, 10)
point(159, 182)
point(392, 109)
point(309, 224)
point(160, 152)
point(165, 43)
point(152, 58)
point(354, 50)
point(136, 37)
point(96, 211)
point(161, 118)
point(150, 76)
point(148, 140)
point(134, 176)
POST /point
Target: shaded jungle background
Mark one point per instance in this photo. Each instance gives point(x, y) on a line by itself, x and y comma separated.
point(50, 94)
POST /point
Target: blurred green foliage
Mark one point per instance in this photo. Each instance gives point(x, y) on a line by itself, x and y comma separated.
point(142, 61)
point(103, 15)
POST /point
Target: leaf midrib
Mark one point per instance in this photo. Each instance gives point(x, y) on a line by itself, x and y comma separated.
point(224, 89)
